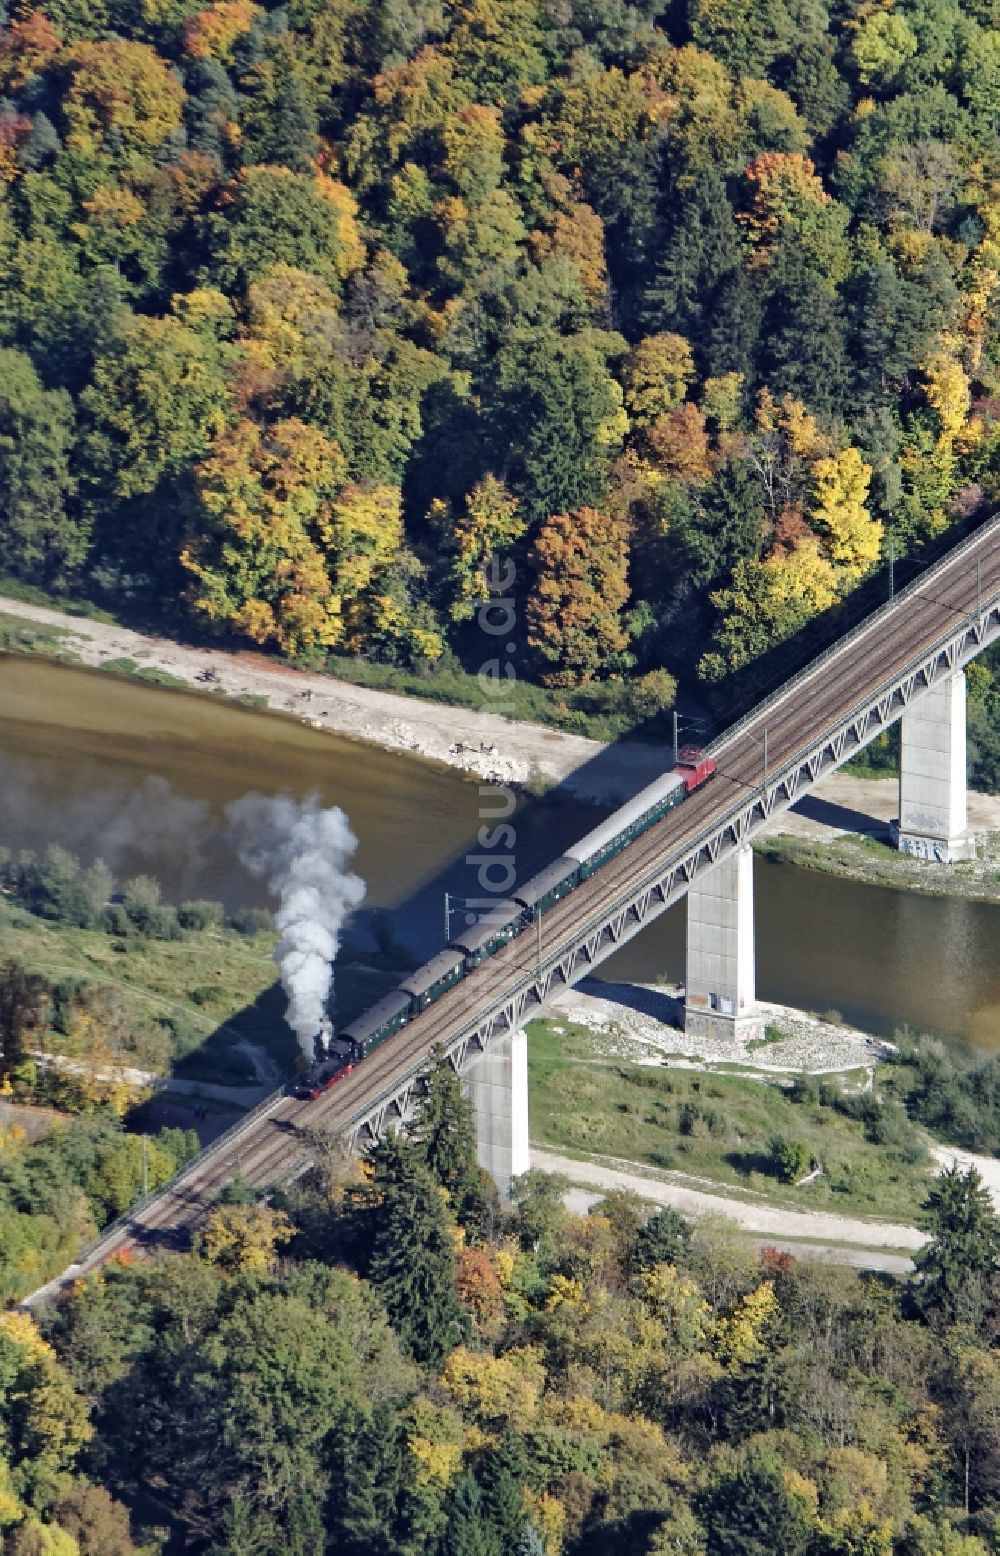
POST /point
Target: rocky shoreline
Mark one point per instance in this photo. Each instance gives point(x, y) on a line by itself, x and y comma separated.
point(643, 1022)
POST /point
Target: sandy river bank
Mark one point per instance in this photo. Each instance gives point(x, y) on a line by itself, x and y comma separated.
point(483, 744)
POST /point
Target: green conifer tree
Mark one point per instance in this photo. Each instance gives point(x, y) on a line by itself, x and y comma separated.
point(469, 1531)
point(964, 1249)
point(443, 1128)
point(500, 1479)
point(750, 1512)
point(703, 248)
point(413, 1259)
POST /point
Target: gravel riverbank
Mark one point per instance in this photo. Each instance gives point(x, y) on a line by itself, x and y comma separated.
point(640, 1022)
point(485, 745)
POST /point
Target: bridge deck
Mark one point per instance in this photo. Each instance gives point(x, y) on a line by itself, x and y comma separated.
point(953, 610)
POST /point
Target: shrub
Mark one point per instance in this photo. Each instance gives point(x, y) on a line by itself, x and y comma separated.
point(140, 899)
point(208, 994)
point(804, 1089)
point(163, 923)
point(665, 1239)
point(200, 915)
point(790, 1159)
point(890, 1127)
point(116, 921)
point(56, 886)
point(250, 921)
point(64, 995)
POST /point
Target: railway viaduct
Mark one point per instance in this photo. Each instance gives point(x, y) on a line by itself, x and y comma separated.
point(903, 664)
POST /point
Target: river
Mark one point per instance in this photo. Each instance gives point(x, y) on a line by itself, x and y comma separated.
point(141, 775)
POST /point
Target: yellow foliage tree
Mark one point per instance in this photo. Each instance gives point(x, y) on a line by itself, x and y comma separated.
point(677, 1303)
point(851, 1477)
point(785, 441)
point(576, 232)
point(787, 195)
point(656, 377)
point(859, 1532)
point(263, 570)
point(740, 1337)
point(11, 1506)
point(700, 115)
point(851, 538)
point(54, 1423)
point(245, 1237)
point(580, 562)
point(680, 444)
point(490, 522)
point(549, 1517)
point(435, 1438)
point(28, 44)
point(365, 535)
point(720, 400)
point(349, 253)
point(214, 32)
point(473, 145)
point(565, 1292)
point(946, 386)
point(50, 1540)
point(496, 1388)
point(292, 324)
point(122, 87)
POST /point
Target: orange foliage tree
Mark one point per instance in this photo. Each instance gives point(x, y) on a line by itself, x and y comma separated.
point(124, 87)
point(580, 563)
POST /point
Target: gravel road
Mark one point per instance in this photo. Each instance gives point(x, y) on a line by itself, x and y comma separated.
point(814, 1227)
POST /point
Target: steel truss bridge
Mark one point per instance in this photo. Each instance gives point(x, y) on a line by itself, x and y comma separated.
point(771, 758)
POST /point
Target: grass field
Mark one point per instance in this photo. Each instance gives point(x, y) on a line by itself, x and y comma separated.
point(715, 1127)
point(21, 636)
point(210, 992)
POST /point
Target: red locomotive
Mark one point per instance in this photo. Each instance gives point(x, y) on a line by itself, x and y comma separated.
point(694, 767)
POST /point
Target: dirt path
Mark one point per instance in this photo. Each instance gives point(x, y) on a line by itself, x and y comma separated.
point(814, 1227)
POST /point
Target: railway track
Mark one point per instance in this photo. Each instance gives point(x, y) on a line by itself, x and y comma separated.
point(270, 1149)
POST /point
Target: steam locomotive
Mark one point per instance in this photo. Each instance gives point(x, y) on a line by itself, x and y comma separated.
point(336, 1056)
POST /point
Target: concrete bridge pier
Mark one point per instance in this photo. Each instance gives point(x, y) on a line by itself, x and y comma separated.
point(720, 990)
point(933, 823)
point(497, 1086)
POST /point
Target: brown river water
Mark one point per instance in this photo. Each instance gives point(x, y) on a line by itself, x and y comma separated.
point(140, 776)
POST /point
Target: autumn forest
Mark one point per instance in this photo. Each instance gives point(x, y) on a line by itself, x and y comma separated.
point(307, 311)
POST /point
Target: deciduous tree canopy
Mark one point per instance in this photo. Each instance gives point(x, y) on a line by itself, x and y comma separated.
point(464, 274)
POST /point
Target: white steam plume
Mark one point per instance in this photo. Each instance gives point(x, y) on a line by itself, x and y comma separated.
point(302, 851)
